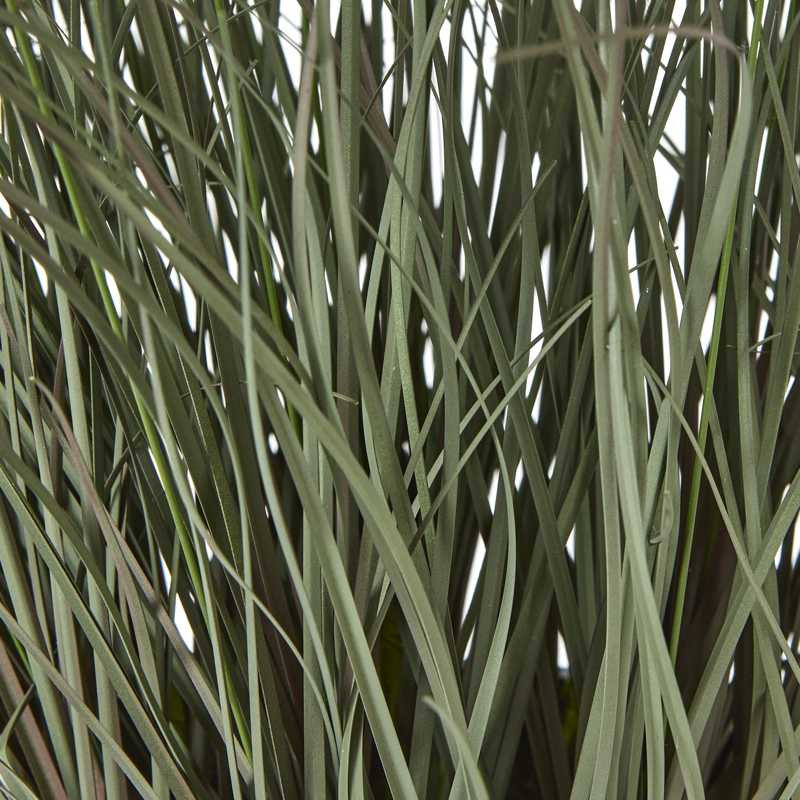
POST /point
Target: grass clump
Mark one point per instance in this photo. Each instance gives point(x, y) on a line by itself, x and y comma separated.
point(398, 399)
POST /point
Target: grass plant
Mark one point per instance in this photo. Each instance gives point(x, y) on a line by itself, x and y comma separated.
point(399, 399)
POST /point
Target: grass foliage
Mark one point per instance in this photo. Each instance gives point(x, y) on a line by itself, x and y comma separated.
point(398, 399)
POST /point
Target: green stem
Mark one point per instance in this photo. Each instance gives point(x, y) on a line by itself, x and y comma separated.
point(708, 387)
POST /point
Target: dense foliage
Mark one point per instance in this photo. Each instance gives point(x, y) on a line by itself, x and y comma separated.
point(398, 399)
